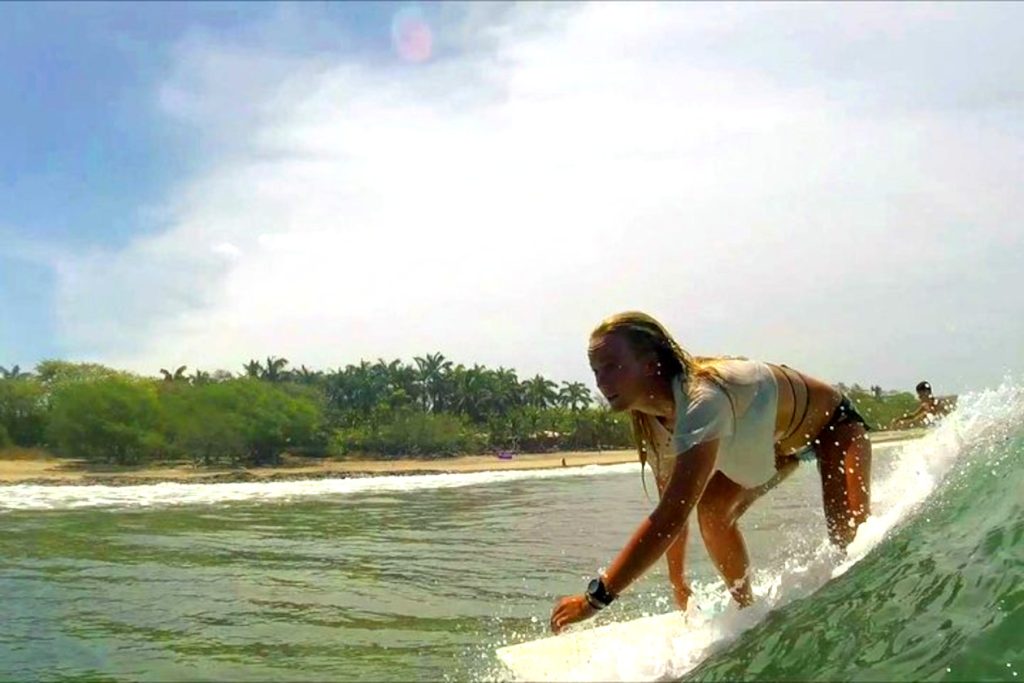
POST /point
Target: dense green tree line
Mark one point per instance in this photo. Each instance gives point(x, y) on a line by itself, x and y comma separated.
point(432, 407)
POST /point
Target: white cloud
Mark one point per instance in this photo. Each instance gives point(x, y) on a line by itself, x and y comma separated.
point(497, 203)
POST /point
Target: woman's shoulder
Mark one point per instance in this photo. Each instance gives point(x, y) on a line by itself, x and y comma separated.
point(703, 392)
point(704, 410)
point(735, 370)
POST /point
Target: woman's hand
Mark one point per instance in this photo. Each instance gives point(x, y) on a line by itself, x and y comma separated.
point(569, 611)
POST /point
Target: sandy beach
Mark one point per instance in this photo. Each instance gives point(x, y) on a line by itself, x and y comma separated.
point(38, 468)
point(63, 471)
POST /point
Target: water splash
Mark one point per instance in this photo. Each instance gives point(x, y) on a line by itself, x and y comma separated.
point(637, 651)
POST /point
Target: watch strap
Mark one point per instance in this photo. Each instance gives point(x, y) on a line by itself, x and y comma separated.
point(598, 594)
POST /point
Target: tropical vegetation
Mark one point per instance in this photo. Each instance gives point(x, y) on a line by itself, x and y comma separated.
point(431, 407)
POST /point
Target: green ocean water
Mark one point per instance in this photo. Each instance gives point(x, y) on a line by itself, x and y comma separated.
point(942, 598)
point(423, 578)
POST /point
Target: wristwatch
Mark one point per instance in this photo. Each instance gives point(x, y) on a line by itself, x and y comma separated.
point(598, 594)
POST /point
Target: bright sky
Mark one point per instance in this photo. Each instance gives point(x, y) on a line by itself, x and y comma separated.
point(833, 186)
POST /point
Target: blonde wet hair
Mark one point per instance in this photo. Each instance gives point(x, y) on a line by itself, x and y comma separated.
point(646, 336)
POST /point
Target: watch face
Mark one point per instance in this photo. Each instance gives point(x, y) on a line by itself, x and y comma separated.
point(594, 587)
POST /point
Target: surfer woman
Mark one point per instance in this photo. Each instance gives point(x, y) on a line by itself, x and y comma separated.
point(718, 433)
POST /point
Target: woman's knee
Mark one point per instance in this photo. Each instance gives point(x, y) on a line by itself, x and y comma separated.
point(715, 515)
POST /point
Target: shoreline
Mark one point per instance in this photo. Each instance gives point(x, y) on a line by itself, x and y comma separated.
point(53, 471)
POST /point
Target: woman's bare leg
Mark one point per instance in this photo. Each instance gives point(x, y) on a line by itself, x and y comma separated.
point(718, 512)
point(844, 462)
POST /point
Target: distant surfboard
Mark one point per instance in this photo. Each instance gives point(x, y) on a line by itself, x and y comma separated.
point(601, 653)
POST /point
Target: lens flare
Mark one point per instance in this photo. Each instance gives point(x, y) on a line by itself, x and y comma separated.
point(411, 36)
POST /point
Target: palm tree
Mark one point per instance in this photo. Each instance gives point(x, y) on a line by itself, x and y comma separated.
point(397, 382)
point(433, 368)
point(14, 373)
point(253, 368)
point(472, 391)
point(406, 380)
point(275, 371)
point(200, 377)
point(386, 369)
point(306, 376)
point(176, 376)
point(575, 395)
point(508, 392)
point(363, 392)
point(540, 392)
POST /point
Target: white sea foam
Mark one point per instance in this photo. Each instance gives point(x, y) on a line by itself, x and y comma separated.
point(44, 497)
point(667, 647)
point(55, 497)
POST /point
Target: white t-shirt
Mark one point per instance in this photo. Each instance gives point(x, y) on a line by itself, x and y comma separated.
point(744, 425)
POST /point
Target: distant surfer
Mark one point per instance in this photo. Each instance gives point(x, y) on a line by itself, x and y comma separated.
point(718, 434)
point(929, 408)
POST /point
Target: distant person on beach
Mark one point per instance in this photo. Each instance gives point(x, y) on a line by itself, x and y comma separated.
point(928, 411)
point(718, 434)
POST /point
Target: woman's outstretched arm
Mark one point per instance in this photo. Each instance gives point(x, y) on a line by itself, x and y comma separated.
point(655, 534)
point(689, 477)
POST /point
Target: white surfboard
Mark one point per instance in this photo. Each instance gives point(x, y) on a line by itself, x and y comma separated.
point(643, 648)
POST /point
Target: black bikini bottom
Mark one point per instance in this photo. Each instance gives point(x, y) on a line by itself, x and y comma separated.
point(845, 412)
